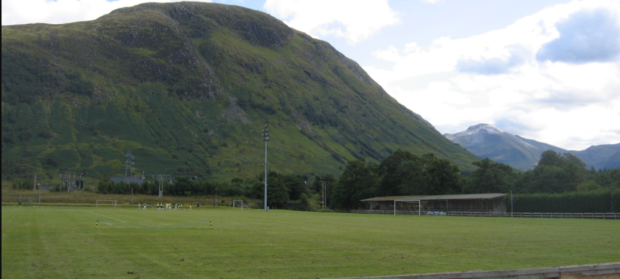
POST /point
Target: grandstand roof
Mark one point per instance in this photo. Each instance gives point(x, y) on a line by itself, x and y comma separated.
point(438, 197)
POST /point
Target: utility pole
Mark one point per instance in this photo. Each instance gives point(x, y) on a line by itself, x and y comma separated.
point(324, 201)
point(266, 139)
point(60, 185)
point(68, 181)
point(161, 186)
point(511, 206)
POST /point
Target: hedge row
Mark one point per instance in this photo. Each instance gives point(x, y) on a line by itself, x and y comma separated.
point(573, 202)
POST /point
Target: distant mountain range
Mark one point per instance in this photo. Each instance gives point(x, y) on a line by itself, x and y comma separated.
point(486, 140)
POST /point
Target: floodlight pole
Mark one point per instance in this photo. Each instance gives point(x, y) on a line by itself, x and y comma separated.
point(39, 192)
point(266, 139)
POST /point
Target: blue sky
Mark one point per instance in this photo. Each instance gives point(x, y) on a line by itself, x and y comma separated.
point(548, 70)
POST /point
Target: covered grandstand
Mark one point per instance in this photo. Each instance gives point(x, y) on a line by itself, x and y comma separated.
point(439, 204)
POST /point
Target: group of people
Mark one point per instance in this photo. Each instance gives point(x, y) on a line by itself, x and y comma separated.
point(168, 206)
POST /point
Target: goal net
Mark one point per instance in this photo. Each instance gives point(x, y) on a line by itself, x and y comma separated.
point(239, 204)
point(106, 203)
point(408, 207)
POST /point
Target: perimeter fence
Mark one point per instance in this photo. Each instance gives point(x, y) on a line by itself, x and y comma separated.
point(599, 215)
point(79, 197)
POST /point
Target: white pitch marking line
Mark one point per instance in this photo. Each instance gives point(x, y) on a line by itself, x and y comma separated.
point(104, 216)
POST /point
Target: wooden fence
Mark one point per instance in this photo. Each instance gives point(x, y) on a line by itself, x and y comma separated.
point(600, 215)
point(606, 270)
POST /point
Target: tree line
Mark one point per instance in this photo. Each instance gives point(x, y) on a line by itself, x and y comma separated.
point(400, 174)
point(403, 173)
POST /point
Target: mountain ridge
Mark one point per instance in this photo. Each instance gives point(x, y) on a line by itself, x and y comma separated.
point(486, 140)
point(187, 88)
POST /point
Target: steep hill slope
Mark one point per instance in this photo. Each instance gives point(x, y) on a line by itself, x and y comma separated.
point(489, 141)
point(187, 87)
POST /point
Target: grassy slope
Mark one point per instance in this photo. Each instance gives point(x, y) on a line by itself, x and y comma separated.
point(62, 242)
point(186, 87)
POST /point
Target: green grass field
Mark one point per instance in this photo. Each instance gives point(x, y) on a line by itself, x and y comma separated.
point(62, 242)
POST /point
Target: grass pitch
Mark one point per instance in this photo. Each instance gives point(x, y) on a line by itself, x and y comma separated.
point(56, 242)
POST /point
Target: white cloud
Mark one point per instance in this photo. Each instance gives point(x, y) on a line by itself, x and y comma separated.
point(496, 78)
point(61, 11)
point(354, 20)
point(432, 1)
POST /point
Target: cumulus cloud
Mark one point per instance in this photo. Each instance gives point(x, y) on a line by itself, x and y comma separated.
point(355, 20)
point(61, 11)
point(586, 36)
point(519, 78)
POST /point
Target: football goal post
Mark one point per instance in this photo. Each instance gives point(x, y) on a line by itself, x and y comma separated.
point(408, 206)
point(111, 203)
point(238, 203)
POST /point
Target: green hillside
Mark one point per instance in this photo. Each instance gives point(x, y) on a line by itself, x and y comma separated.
point(187, 88)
